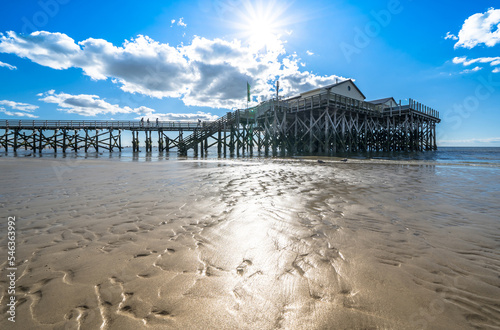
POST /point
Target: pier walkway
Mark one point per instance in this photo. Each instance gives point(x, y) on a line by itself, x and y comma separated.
point(324, 123)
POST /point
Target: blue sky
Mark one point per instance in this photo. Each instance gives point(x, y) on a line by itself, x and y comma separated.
point(68, 59)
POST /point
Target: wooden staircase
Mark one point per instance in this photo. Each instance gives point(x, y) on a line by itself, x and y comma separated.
point(204, 131)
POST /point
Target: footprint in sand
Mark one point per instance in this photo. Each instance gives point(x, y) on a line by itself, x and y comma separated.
point(241, 269)
point(161, 313)
point(142, 255)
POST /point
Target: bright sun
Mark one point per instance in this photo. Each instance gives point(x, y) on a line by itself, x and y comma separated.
point(260, 28)
point(261, 23)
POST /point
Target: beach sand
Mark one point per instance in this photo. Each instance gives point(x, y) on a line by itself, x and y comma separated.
point(250, 244)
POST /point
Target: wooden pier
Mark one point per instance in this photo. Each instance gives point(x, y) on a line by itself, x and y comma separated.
point(323, 123)
point(74, 135)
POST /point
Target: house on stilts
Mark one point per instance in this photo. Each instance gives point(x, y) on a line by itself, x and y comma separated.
point(327, 120)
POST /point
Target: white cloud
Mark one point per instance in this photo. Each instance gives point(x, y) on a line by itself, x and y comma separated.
point(206, 72)
point(92, 105)
point(204, 116)
point(7, 65)
point(494, 61)
point(475, 69)
point(496, 70)
point(480, 28)
point(17, 113)
point(19, 106)
point(88, 105)
point(450, 36)
point(24, 109)
point(309, 53)
point(458, 60)
point(181, 22)
point(55, 50)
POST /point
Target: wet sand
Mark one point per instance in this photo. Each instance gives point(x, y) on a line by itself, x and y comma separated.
point(251, 244)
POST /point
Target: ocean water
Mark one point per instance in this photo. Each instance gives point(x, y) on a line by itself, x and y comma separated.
point(471, 156)
point(381, 241)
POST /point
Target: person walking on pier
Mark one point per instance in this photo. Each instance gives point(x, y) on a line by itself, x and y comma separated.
point(156, 122)
point(142, 121)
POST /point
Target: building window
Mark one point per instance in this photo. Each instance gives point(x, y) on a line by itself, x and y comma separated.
point(349, 88)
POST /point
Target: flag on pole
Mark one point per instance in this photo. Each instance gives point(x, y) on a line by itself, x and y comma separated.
point(248, 92)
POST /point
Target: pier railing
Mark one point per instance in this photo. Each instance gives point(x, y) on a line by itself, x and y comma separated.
point(337, 101)
point(336, 123)
point(332, 100)
point(206, 130)
point(98, 124)
point(318, 101)
point(413, 107)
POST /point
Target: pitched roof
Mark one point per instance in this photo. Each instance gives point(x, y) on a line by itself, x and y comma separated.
point(382, 101)
point(337, 84)
point(343, 82)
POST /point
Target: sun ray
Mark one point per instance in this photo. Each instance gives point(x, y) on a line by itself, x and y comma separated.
point(262, 24)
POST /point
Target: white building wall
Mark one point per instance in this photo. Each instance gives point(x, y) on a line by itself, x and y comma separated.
point(391, 103)
point(345, 89)
point(348, 89)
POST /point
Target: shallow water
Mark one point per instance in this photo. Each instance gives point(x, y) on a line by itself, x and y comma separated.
point(472, 156)
point(258, 243)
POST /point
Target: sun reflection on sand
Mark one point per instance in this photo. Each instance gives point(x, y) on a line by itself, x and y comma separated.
point(251, 244)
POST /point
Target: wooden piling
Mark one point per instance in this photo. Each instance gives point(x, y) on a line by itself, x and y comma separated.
point(324, 123)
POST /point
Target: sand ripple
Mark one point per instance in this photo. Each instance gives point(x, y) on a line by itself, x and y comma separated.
point(257, 244)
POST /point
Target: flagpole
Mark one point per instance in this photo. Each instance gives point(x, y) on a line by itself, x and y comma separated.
point(248, 94)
